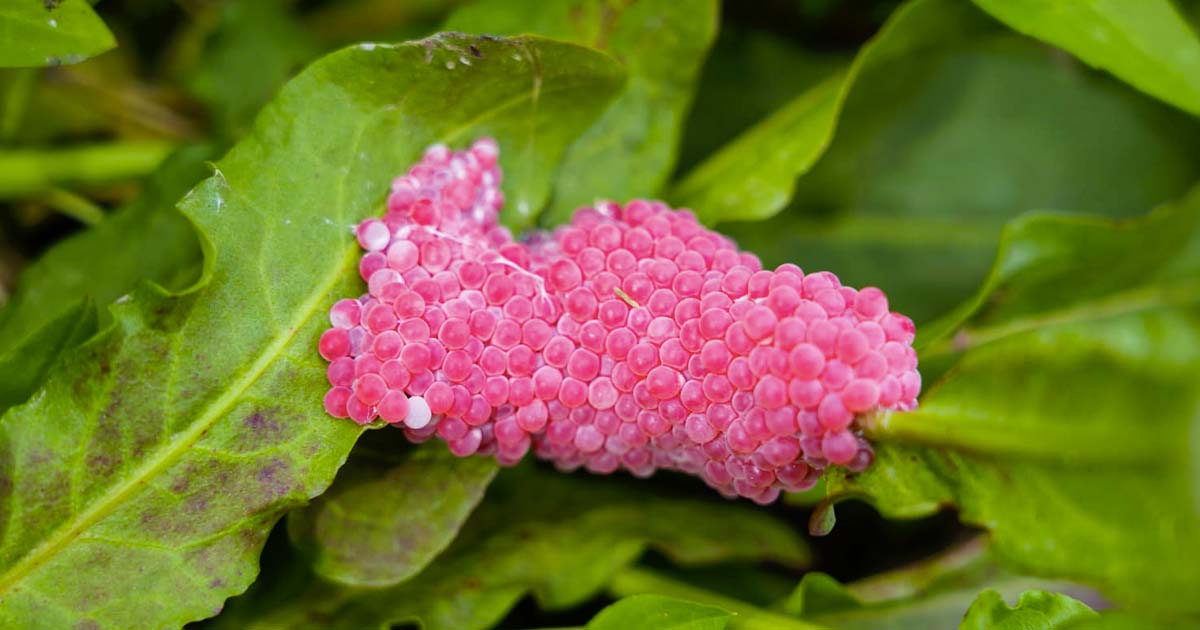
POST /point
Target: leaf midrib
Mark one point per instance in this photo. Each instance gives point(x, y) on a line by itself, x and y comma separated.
point(218, 409)
point(1113, 305)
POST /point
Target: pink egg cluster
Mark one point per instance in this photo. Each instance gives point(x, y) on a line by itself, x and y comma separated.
point(631, 338)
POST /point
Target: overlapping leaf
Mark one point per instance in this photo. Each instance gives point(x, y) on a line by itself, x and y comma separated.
point(1146, 43)
point(560, 537)
point(50, 32)
point(940, 147)
point(148, 239)
point(932, 594)
point(753, 177)
point(1064, 423)
point(749, 74)
point(23, 366)
point(262, 30)
point(1035, 610)
point(631, 149)
point(387, 516)
point(163, 450)
point(655, 612)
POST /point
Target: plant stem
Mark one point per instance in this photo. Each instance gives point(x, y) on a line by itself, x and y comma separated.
point(637, 580)
point(25, 172)
point(16, 101)
point(75, 206)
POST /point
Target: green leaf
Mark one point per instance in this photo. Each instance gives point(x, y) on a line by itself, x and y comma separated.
point(753, 177)
point(24, 366)
point(36, 33)
point(655, 612)
point(938, 149)
point(749, 74)
point(158, 456)
point(818, 594)
point(1070, 385)
point(638, 581)
point(749, 581)
point(1035, 610)
point(386, 517)
point(25, 172)
point(631, 149)
point(1125, 620)
point(146, 240)
point(1146, 43)
point(262, 30)
point(930, 594)
point(561, 537)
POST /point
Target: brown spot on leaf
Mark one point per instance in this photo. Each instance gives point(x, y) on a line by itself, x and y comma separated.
point(196, 505)
point(275, 479)
point(263, 428)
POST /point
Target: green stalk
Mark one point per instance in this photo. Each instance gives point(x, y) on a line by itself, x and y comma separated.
point(637, 581)
point(75, 206)
point(25, 172)
point(16, 101)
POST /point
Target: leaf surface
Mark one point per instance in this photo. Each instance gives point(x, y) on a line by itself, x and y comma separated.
point(1035, 610)
point(632, 148)
point(753, 176)
point(234, 90)
point(145, 240)
point(749, 74)
point(1147, 43)
point(158, 456)
point(1067, 388)
point(938, 149)
point(36, 33)
point(24, 366)
point(933, 593)
point(386, 517)
point(560, 537)
point(655, 612)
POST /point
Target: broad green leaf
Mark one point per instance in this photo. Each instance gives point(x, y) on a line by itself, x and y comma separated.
point(264, 31)
point(1066, 423)
point(748, 581)
point(939, 149)
point(147, 239)
point(931, 594)
point(1125, 620)
point(639, 581)
point(158, 455)
point(1035, 610)
point(631, 149)
point(655, 612)
point(23, 366)
point(1146, 43)
point(753, 177)
point(37, 33)
point(31, 171)
point(560, 537)
point(386, 517)
point(748, 74)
